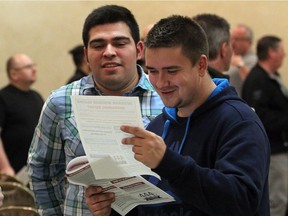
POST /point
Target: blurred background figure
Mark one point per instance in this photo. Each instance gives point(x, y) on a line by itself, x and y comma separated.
point(217, 30)
point(243, 58)
point(143, 35)
point(81, 66)
point(20, 108)
point(264, 91)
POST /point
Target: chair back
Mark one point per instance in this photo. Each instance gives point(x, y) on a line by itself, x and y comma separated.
point(18, 211)
point(16, 194)
point(8, 178)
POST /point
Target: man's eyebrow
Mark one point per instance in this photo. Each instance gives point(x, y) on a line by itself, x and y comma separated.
point(149, 67)
point(100, 40)
point(171, 67)
point(121, 38)
point(164, 68)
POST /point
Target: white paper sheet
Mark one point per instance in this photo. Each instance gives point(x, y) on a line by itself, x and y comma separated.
point(98, 121)
point(129, 192)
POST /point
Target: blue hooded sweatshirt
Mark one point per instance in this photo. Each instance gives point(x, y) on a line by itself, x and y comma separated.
point(217, 159)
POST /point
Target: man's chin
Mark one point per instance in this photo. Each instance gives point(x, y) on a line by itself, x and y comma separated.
point(169, 104)
point(31, 82)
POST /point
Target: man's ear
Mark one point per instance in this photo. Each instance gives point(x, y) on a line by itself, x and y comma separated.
point(271, 52)
point(223, 50)
point(86, 55)
point(140, 48)
point(13, 74)
point(202, 65)
point(86, 58)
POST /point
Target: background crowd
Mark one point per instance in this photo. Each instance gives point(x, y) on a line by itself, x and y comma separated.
point(253, 66)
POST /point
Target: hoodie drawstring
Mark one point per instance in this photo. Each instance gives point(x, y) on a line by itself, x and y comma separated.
point(185, 135)
point(166, 129)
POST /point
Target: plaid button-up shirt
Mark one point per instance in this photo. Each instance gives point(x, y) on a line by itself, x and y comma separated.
point(56, 141)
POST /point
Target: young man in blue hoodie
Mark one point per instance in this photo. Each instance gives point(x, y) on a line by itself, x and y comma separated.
point(208, 146)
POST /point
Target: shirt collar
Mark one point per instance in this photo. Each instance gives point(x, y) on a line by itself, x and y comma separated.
point(143, 81)
point(143, 84)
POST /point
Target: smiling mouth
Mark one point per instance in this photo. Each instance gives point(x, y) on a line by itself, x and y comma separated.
point(112, 65)
point(167, 92)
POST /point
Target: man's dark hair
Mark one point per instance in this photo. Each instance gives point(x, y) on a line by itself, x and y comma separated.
point(217, 30)
point(180, 31)
point(264, 44)
point(110, 14)
point(77, 55)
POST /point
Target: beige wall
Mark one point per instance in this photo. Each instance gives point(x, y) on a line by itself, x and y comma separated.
point(46, 30)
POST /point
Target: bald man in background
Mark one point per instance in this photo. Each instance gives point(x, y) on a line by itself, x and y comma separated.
point(244, 58)
point(20, 108)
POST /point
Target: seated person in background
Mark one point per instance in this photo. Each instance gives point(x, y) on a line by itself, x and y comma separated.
point(20, 108)
point(208, 146)
point(81, 66)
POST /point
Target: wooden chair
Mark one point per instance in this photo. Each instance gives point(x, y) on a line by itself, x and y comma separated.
point(18, 211)
point(8, 178)
point(16, 194)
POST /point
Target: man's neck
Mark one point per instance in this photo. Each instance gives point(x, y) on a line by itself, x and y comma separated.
point(215, 64)
point(266, 66)
point(20, 86)
point(119, 92)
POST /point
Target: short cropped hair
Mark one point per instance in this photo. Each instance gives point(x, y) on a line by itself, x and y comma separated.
point(177, 30)
point(217, 30)
point(264, 44)
point(110, 14)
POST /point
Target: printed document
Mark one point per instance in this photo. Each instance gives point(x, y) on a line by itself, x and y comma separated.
point(109, 163)
point(129, 191)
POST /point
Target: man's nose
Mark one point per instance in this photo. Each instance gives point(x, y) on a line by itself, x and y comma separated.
point(110, 50)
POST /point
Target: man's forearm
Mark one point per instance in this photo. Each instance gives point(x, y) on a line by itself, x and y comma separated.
point(5, 166)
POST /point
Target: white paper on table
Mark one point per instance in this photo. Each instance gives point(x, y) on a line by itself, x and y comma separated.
point(98, 120)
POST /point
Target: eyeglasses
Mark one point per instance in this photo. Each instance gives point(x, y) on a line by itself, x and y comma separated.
point(28, 66)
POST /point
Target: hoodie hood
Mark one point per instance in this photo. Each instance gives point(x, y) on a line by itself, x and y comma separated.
point(222, 85)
